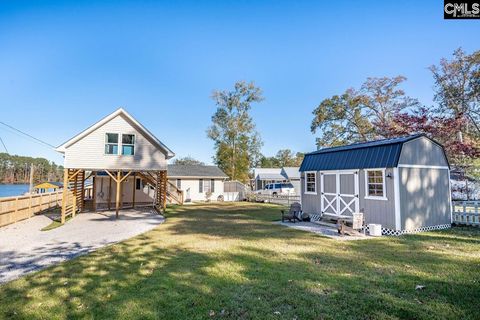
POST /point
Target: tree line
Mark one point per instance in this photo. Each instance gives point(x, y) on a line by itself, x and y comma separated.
point(16, 169)
point(378, 109)
point(381, 109)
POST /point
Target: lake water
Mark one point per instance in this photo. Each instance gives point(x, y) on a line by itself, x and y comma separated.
point(9, 190)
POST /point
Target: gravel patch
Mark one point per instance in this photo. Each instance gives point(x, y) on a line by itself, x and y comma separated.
point(24, 248)
point(322, 230)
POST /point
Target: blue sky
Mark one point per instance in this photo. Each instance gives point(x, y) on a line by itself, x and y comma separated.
point(65, 65)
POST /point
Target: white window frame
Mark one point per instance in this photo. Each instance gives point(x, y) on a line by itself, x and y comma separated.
point(207, 185)
point(106, 142)
point(128, 144)
point(384, 197)
point(306, 190)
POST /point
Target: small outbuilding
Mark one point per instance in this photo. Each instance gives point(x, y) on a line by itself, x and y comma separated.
point(48, 186)
point(264, 176)
point(198, 182)
point(401, 183)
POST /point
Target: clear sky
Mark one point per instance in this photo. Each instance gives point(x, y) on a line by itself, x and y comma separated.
point(65, 65)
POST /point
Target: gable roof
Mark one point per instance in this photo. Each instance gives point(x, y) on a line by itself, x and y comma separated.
point(132, 120)
point(49, 185)
point(271, 176)
point(291, 172)
point(383, 153)
point(194, 171)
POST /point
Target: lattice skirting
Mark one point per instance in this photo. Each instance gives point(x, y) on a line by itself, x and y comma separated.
point(391, 232)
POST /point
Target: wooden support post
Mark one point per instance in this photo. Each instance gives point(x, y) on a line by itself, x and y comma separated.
point(121, 193)
point(30, 211)
point(94, 192)
point(82, 192)
point(15, 218)
point(64, 195)
point(74, 193)
point(117, 200)
point(134, 189)
point(163, 175)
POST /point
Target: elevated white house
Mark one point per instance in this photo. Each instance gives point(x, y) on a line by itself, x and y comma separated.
point(127, 163)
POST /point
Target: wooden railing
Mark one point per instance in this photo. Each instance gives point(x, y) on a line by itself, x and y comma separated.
point(174, 194)
point(466, 212)
point(13, 209)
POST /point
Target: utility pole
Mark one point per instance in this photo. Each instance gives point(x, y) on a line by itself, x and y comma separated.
point(30, 189)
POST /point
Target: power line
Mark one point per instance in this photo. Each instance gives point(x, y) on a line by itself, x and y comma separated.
point(4, 145)
point(28, 135)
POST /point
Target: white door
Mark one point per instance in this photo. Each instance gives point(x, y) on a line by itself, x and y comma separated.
point(339, 192)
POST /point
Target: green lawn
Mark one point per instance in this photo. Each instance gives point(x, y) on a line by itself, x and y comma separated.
point(231, 262)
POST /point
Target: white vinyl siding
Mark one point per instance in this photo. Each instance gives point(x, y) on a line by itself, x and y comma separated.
point(89, 152)
point(190, 188)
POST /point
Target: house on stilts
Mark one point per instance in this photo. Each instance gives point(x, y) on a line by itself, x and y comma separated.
point(126, 163)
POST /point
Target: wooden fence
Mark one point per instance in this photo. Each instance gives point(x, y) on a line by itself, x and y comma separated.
point(285, 200)
point(466, 212)
point(13, 209)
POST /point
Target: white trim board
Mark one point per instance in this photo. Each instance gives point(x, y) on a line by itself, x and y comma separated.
point(421, 166)
point(316, 183)
point(396, 189)
point(368, 197)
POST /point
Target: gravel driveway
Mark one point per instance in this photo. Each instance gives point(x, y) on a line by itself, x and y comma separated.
point(24, 248)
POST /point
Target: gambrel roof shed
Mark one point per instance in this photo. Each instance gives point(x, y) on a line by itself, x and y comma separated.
point(400, 183)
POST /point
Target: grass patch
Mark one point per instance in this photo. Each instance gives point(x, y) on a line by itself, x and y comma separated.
point(229, 261)
point(51, 226)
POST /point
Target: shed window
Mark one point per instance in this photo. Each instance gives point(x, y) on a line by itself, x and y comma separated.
point(128, 144)
point(375, 184)
point(212, 182)
point(200, 185)
point(138, 183)
point(179, 183)
point(111, 143)
point(311, 182)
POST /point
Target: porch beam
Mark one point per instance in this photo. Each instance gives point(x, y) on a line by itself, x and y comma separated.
point(94, 190)
point(134, 189)
point(126, 176)
point(74, 174)
point(111, 175)
point(117, 200)
point(64, 195)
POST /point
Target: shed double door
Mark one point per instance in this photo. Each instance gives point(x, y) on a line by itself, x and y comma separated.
point(339, 192)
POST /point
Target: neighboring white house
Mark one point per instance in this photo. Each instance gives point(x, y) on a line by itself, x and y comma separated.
point(198, 182)
point(264, 176)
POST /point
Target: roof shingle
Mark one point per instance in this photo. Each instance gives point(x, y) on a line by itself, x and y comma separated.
point(174, 170)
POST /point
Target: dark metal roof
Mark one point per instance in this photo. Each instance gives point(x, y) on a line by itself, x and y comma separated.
point(383, 153)
point(195, 171)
